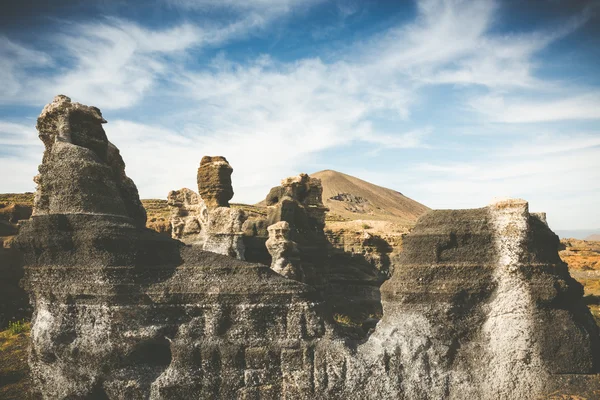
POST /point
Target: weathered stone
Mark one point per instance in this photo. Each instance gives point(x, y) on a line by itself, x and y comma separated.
point(298, 202)
point(189, 216)
point(124, 312)
point(298, 191)
point(76, 146)
point(218, 230)
point(214, 181)
point(284, 252)
point(478, 306)
point(224, 232)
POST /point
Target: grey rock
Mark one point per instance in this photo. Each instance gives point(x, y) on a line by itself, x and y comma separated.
point(479, 306)
point(218, 229)
point(284, 252)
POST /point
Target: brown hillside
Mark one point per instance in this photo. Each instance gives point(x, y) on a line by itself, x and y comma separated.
point(595, 237)
point(351, 198)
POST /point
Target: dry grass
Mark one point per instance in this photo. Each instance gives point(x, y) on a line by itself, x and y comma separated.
point(14, 372)
point(583, 258)
point(253, 211)
point(16, 198)
point(156, 208)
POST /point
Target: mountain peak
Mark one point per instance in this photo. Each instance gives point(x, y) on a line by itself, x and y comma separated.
point(353, 198)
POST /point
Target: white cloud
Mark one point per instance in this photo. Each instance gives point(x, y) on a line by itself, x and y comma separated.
point(555, 180)
point(111, 64)
point(272, 118)
point(549, 144)
point(512, 109)
point(14, 134)
point(19, 167)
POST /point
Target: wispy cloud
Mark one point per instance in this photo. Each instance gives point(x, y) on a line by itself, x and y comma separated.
point(273, 116)
point(513, 109)
point(111, 64)
point(556, 173)
point(264, 7)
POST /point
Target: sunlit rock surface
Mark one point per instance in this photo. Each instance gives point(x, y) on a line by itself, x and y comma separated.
point(479, 305)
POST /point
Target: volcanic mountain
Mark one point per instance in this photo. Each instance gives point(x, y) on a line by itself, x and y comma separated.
point(351, 198)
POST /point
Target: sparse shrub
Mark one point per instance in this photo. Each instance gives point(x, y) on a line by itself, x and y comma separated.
point(344, 320)
point(17, 327)
point(366, 226)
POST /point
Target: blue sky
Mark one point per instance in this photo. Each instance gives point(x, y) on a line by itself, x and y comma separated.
point(452, 103)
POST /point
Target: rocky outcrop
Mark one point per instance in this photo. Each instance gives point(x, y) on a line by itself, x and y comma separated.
point(189, 216)
point(359, 262)
point(76, 146)
point(298, 202)
point(124, 312)
point(478, 306)
point(284, 252)
point(214, 181)
point(482, 307)
point(214, 229)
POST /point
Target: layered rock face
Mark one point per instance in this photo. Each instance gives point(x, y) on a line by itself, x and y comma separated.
point(123, 312)
point(76, 146)
point(298, 202)
point(479, 305)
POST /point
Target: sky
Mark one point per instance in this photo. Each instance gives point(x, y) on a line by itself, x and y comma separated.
point(452, 102)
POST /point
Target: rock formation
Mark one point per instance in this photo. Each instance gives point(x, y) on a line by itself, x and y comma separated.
point(207, 219)
point(189, 216)
point(76, 146)
point(298, 202)
point(214, 181)
point(284, 252)
point(479, 305)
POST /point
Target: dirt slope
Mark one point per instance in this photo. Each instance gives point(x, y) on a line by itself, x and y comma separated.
point(351, 198)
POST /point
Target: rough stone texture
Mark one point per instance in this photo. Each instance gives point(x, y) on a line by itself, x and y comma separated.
point(284, 252)
point(479, 307)
point(298, 202)
point(218, 230)
point(359, 263)
point(214, 181)
point(189, 216)
point(255, 236)
point(76, 146)
point(482, 307)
